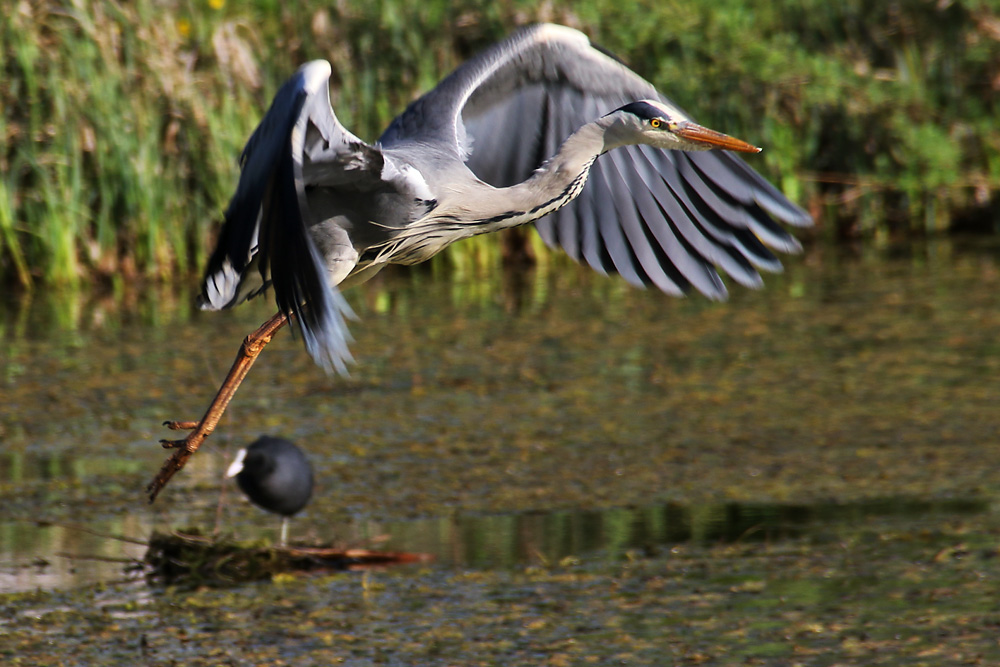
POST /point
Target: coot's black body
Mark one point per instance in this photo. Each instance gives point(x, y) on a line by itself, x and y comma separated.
point(274, 474)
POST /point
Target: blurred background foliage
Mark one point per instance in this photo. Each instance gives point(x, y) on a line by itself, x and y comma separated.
point(120, 122)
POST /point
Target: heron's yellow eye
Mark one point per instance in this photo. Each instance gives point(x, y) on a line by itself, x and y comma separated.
point(655, 123)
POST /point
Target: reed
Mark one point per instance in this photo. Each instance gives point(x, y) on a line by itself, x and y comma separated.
point(120, 123)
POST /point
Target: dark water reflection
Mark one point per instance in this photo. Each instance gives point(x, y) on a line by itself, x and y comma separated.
point(497, 400)
point(545, 538)
point(41, 555)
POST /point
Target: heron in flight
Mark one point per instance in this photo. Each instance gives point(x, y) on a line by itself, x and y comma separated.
point(542, 128)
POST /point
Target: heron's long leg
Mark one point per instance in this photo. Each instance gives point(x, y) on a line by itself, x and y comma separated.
point(181, 426)
point(252, 345)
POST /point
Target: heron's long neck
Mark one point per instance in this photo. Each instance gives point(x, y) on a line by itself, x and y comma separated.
point(552, 186)
point(482, 208)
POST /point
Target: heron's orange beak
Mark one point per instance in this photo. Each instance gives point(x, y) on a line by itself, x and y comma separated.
point(695, 132)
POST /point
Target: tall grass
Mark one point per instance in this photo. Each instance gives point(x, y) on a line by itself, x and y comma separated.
point(116, 149)
point(120, 123)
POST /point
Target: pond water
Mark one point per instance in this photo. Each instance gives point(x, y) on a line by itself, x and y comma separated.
point(499, 417)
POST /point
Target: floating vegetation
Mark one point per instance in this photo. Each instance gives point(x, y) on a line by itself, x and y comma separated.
point(194, 559)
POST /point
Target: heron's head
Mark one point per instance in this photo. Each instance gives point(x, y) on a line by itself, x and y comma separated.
point(657, 124)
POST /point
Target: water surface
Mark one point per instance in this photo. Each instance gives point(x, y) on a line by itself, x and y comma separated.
point(497, 418)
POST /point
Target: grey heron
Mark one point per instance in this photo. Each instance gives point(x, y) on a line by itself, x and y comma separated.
point(513, 136)
point(275, 475)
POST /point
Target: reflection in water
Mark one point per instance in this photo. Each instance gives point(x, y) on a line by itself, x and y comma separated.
point(33, 556)
point(27, 467)
point(507, 540)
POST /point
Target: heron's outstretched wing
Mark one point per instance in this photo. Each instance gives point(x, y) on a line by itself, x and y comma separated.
point(659, 217)
point(298, 143)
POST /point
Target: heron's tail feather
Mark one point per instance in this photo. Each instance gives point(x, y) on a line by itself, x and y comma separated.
point(297, 270)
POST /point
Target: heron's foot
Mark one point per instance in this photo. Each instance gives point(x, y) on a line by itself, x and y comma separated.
point(181, 426)
point(183, 450)
point(171, 466)
point(174, 444)
point(192, 441)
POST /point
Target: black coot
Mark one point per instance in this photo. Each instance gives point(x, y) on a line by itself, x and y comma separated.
point(275, 475)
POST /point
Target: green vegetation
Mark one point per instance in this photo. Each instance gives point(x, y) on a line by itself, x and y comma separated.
point(120, 123)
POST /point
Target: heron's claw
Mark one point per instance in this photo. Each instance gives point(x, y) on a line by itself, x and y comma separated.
point(174, 444)
point(180, 425)
point(183, 449)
